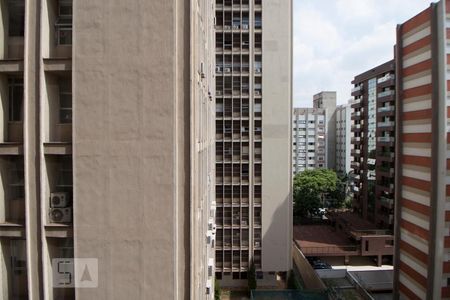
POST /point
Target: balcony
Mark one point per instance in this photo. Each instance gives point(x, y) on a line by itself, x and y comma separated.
point(387, 202)
point(386, 78)
point(386, 96)
point(357, 103)
point(386, 139)
point(386, 124)
point(357, 90)
point(386, 109)
point(356, 140)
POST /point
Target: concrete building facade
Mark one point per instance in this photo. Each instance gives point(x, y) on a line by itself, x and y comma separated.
point(106, 147)
point(327, 101)
point(343, 138)
point(373, 144)
point(422, 265)
point(253, 139)
point(308, 139)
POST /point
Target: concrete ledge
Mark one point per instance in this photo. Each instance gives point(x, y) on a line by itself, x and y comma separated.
point(57, 64)
point(12, 230)
point(58, 231)
point(56, 148)
point(11, 149)
point(11, 65)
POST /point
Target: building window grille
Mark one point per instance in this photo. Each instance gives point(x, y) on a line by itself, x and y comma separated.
point(63, 25)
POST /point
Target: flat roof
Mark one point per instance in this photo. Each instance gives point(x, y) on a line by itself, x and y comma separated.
point(319, 236)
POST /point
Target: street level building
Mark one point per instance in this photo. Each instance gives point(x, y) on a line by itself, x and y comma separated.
point(253, 140)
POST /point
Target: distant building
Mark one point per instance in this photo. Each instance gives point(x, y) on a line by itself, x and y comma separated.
point(422, 266)
point(373, 144)
point(309, 139)
point(327, 101)
point(343, 138)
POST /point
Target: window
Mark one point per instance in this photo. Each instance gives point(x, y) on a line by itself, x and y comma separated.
point(16, 21)
point(65, 101)
point(63, 24)
point(15, 99)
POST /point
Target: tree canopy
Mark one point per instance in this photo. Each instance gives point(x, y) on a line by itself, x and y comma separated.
point(312, 186)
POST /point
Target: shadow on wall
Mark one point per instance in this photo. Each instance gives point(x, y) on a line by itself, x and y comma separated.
point(277, 240)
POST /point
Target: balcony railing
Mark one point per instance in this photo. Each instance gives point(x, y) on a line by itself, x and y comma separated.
point(386, 139)
point(386, 109)
point(386, 124)
point(330, 251)
point(386, 78)
point(357, 88)
point(386, 93)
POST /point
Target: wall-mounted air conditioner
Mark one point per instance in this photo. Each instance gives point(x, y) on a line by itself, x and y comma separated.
point(61, 215)
point(58, 200)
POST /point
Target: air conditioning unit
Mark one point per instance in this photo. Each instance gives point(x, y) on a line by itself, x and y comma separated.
point(61, 215)
point(227, 70)
point(235, 26)
point(257, 93)
point(227, 27)
point(208, 287)
point(257, 244)
point(245, 26)
point(58, 200)
point(218, 69)
point(258, 70)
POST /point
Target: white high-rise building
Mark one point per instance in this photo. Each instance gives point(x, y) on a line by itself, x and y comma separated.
point(309, 139)
point(343, 138)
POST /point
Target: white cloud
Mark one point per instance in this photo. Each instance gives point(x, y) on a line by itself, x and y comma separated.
point(337, 40)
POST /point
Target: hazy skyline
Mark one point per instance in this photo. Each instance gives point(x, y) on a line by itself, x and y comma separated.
point(334, 40)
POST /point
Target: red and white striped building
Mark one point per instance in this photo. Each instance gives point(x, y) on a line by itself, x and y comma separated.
point(422, 214)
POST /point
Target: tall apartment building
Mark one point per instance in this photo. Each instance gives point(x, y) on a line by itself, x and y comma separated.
point(422, 266)
point(308, 139)
point(253, 139)
point(343, 138)
point(327, 101)
point(106, 148)
point(373, 144)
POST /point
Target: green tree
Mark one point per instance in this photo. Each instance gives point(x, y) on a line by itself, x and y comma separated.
point(217, 289)
point(310, 187)
point(252, 284)
point(338, 196)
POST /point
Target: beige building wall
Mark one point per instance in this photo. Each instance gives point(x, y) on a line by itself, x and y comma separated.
point(277, 136)
point(142, 146)
point(130, 85)
point(327, 100)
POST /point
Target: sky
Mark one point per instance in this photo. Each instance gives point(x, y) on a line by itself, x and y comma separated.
point(334, 40)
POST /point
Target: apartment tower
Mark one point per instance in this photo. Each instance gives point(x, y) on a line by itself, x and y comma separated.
point(253, 139)
point(106, 148)
point(309, 139)
point(327, 101)
point(422, 265)
point(343, 137)
point(373, 144)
